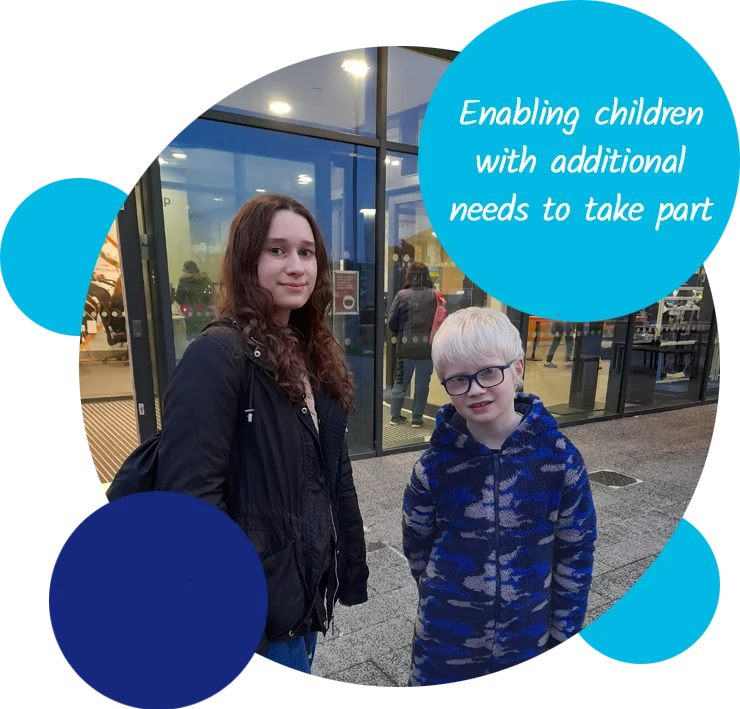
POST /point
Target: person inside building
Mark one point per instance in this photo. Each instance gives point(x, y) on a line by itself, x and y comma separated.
point(195, 294)
point(558, 330)
point(255, 423)
point(411, 319)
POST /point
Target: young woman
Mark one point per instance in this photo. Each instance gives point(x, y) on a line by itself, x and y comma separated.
point(255, 420)
point(411, 319)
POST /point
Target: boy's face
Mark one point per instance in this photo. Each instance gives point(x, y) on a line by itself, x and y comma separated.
point(484, 405)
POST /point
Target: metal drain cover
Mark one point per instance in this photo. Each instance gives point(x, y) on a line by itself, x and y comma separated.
point(611, 478)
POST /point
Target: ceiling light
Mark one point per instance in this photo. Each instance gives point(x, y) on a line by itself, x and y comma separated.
point(356, 67)
point(280, 107)
point(387, 161)
point(163, 162)
point(304, 179)
point(395, 163)
point(367, 212)
point(259, 190)
point(179, 156)
point(218, 199)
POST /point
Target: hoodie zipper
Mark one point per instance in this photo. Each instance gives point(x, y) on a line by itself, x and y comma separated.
point(496, 474)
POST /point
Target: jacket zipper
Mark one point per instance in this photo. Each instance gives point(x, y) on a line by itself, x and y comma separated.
point(336, 543)
point(496, 473)
point(336, 567)
point(334, 530)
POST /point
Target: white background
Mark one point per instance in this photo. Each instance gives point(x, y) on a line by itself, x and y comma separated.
point(97, 89)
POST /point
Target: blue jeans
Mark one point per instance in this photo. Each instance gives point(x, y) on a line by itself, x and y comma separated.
point(297, 654)
point(557, 332)
point(404, 373)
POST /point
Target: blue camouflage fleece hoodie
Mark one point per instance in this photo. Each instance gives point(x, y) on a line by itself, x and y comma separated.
point(501, 544)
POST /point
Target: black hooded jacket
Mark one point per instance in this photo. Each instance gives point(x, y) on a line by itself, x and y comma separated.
point(232, 437)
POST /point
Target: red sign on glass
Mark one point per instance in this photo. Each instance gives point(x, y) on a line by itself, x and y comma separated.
point(346, 292)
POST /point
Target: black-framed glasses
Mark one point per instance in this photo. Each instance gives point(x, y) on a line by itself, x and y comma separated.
point(486, 378)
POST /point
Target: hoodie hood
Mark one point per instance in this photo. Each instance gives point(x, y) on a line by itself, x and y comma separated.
point(451, 432)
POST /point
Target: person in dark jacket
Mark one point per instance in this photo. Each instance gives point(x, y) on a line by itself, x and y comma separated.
point(410, 320)
point(255, 423)
point(195, 293)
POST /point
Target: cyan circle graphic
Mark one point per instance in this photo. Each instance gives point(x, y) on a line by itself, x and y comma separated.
point(556, 58)
point(668, 609)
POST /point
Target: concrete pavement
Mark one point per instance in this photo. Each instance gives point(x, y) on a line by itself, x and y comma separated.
point(371, 643)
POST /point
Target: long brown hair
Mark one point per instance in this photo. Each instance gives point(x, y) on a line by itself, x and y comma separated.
point(306, 345)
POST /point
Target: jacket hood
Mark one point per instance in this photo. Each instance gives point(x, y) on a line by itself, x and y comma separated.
point(451, 432)
point(199, 276)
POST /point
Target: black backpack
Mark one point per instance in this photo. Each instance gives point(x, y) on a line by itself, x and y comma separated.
point(139, 471)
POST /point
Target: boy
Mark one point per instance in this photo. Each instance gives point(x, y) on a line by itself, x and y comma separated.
point(498, 519)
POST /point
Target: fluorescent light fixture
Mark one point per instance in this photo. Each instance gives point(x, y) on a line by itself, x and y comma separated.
point(280, 108)
point(367, 212)
point(304, 179)
point(395, 163)
point(218, 199)
point(260, 190)
point(356, 67)
point(163, 162)
point(179, 156)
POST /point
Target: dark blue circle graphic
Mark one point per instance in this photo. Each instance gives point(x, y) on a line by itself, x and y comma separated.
point(158, 600)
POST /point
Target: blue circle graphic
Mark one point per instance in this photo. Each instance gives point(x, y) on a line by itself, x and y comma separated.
point(158, 600)
point(571, 104)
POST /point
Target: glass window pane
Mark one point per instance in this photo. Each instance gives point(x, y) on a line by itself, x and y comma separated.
point(212, 168)
point(412, 78)
point(575, 368)
point(713, 381)
point(336, 91)
point(670, 347)
point(106, 386)
point(103, 336)
point(406, 352)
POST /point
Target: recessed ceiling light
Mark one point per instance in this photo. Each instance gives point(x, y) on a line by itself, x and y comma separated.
point(356, 67)
point(304, 179)
point(279, 107)
point(259, 190)
point(179, 156)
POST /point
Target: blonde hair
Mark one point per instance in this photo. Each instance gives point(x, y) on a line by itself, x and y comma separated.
point(474, 334)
